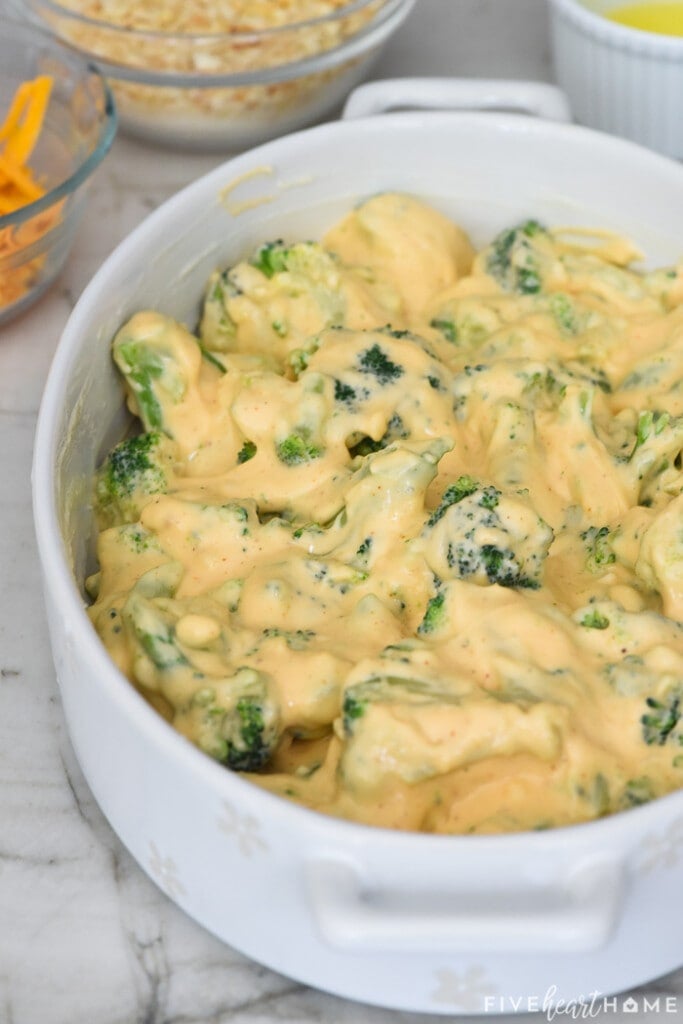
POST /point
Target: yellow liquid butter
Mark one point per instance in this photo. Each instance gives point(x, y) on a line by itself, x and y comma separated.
point(663, 18)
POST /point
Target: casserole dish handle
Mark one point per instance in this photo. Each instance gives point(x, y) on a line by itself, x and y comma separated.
point(537, 98)
point(570, 914)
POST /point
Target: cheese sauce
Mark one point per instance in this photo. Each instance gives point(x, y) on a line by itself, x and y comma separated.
point(401, 536)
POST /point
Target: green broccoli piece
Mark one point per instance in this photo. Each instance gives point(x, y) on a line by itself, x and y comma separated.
point(462, 488)
point(513, 261)
point(650, 424)
point(217, 329)
point(246, 452)
point(364, 549)
point(595, 620)
point(434, 616)
point(395, 431)
point(598, 547)
point(344, 392)
point(376, 362)
point(298, 448)
point(565, 314)
point(660, 721)
point(654, 463)
point(272, 258)
point(150, 623)
point(212, 359)
point(133, 471)
point(352, 709)
point(478, 533)
point(150, 351)
point(544, 389)
point(637, 792)
point(360, 698)
point(237, 720)
point(143, 366)
point(448, 328)
point(597, 794)
point(296, 639)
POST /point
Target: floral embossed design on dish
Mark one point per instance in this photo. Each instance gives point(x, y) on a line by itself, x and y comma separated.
point(242, 827)
point(661, 850)
point(466, 989)
point(165, 872)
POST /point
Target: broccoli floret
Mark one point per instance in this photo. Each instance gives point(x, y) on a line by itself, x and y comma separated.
point(595, 620)
point(296, 639)
point(654, 464)
point(447, 327)
point(650, 424)
point(360, 698)
point(217, 328)
point(237, 721)
point(544, 389)
point(246, 452)
point(478, 533)
point(133, 471)
point(344, 392)
point(142, 366)
point(565, 314)
point(352, 709)
point(272, 258)
point(513, 261)
point(462, 487)
point(247, 751)
point(376, 362)
point(597, 794)
point(598, 547)
point(298, 448)
point(367, 445)
point(150, 623)
point(637, 792)
point(154, 354)
point(434, 616)
point(306, 258)
point(660, 721)
point(364, 549)
point(211, 358)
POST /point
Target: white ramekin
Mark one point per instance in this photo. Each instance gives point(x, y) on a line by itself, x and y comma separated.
point(440, 924)
point(619, 79)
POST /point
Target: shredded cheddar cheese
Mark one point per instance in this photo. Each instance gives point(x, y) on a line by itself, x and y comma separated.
point(19, 134)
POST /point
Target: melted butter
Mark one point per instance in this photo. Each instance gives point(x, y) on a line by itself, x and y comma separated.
point(420, 508)
point(663, 18)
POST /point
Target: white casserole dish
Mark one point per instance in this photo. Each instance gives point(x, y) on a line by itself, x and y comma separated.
point(415, 922)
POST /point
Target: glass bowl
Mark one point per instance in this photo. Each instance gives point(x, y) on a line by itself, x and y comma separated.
point(77, 131)
point(208, 79)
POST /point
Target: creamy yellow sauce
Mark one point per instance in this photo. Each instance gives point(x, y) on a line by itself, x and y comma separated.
point(402, 537)
point(663, 18)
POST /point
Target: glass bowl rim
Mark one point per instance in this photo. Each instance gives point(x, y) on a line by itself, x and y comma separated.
point(387, 16)
point(238, 34)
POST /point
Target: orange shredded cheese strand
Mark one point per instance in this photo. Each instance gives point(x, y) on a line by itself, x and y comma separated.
point(21, 178)
point(20, 263)
point(21, 98)
point(20, 132)
point(23, 137)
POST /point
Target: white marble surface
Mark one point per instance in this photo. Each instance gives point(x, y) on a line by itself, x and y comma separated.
point(85, 936)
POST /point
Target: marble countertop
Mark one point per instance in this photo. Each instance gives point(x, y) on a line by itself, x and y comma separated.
point(85, 936)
